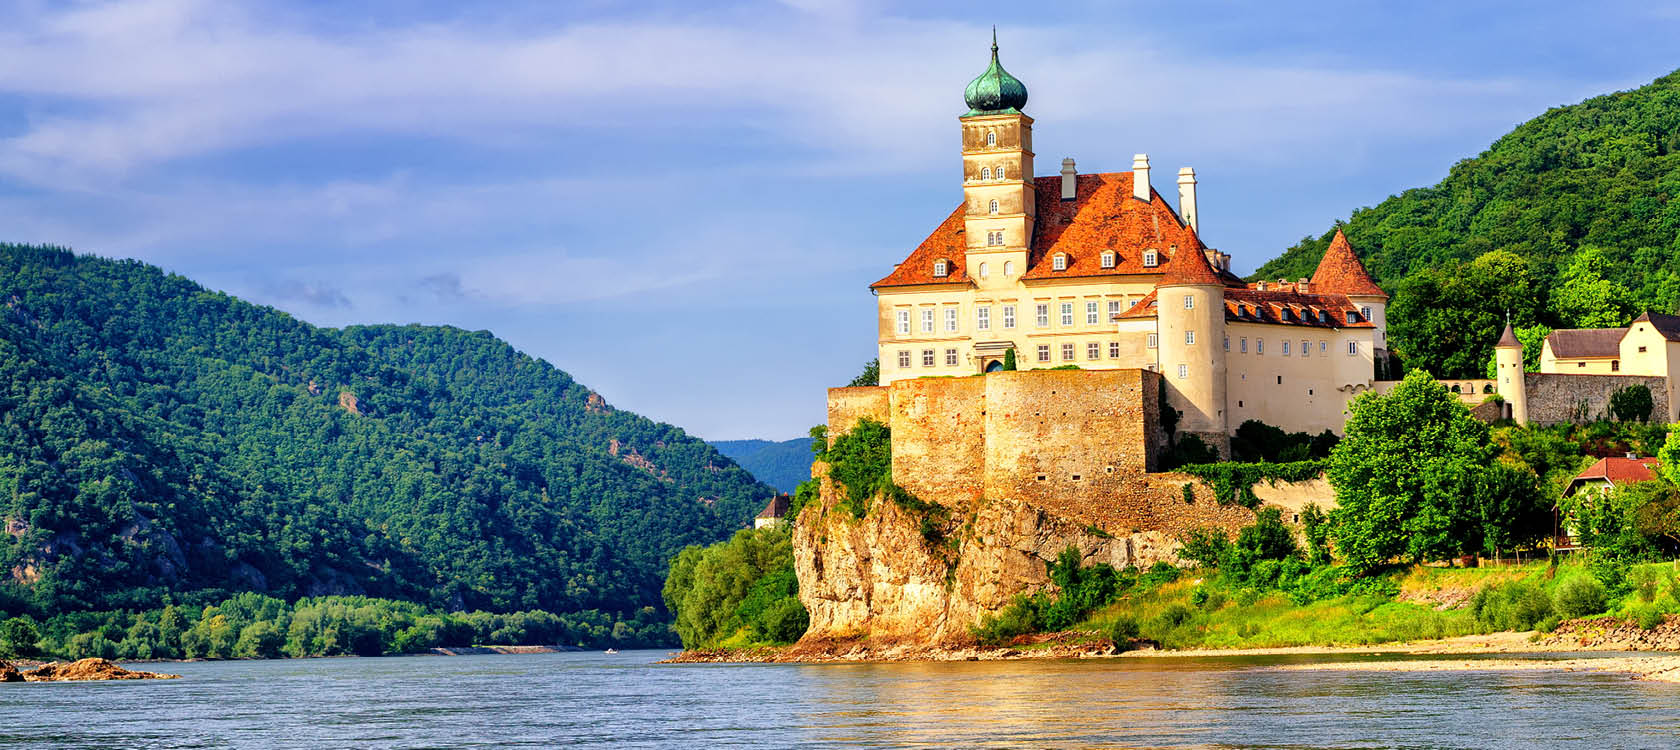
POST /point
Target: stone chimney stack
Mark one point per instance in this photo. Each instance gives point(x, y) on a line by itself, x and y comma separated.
point(1070, 179)
point(1187, 199)
point(1140, 177)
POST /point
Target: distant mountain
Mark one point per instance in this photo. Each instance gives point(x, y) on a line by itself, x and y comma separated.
point(1584, 195)
point(781, 465)
point(160, 438)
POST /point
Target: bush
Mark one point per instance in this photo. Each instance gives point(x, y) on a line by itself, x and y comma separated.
point(1579, 596)
point(90, 645)
point(1019, 618)
point(1648, 616)
point(1204, 546)
point(784, 621)
point(1644, 582)
point(1516, 605)
point(1123, 631)
point(18, 637)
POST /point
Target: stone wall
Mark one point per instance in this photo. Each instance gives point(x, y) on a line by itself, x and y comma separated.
point(1555, 398)
point(939, 438)
point(848, 405)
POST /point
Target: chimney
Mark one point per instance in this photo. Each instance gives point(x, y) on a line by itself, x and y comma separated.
point(1070, 179)
point(1260, 286)
point(1187, 199)
point(1303, 286)
point(1140, 177)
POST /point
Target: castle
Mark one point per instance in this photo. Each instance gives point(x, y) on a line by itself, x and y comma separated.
point(1098, 271)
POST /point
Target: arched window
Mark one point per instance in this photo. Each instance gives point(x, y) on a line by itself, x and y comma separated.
point(983, 270)
point(991, 138)
point(992, 208)
point(942, 267)
point(999, 172)
point(1008, 268)
point(1059, 262)
point(985, 173)
point(1108, 259)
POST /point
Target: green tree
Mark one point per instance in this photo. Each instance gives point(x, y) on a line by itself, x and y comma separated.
point(1585, 298)
point(1009, 359)
point(19, 637)
point(871, 374)
point(1631, 403)
point(1407, 475)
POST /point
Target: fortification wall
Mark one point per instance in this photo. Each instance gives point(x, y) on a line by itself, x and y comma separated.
point(1554, 398)
point(939, 438)
point(1052, 435)
point(848, 405)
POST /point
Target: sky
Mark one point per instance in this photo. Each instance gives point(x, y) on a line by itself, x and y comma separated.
point(682, 204)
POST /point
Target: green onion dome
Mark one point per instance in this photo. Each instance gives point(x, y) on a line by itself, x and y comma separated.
point(995, 92)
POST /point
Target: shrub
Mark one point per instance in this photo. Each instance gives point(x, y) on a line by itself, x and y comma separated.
point(1644, 582)
point(1123, 631)
point(1175, 615)
point(784, 621)
point(1160, 573)
point(1516, 605)
point(18, 637)
point(90, 645)
point(1205, 546)
point(1648, 616)
point(1018, 618)
point(1631, 404)
point(1579, 596)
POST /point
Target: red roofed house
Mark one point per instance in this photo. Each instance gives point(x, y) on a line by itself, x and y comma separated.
point(1099, 271)
point(1602, 477)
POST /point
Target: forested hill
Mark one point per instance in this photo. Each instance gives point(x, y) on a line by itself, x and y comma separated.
point(782, 464)
point(1582, 199)
point(159, 437)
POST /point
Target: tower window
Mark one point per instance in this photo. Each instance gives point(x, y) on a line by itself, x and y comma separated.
point(983, 271)
point(941, 268)
point(999, 172)
point(992, 208)
point(1366, 312)
point(1189, 337)
point(994, 239)
point(1108, 259)
point(1151, 258)
point(1008, 267)
point(1189, 302)
point(985, 173)
point(1059, 262)
point(991, 138)
point(1184, 371)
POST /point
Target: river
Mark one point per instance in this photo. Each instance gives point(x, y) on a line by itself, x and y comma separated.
point(625, 700)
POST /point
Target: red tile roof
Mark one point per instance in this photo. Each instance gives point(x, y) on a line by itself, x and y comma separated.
point(1306, 310)
point(1618, 470)
point(1189, 266)
point(1340, 271)
point(1102, 216)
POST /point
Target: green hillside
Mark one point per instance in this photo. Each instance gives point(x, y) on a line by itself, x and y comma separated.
point(160, 438)
point(782, 465)
point(1577, 206)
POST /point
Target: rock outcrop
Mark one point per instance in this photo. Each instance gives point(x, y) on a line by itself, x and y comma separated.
point(80, 670)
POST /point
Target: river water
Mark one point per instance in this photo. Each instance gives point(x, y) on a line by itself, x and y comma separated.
point(625, 700)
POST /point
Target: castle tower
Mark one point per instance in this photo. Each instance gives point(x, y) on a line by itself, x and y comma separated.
point(1340, 272)
point(1508, 371)
point(1190, 324)
point(998, 197)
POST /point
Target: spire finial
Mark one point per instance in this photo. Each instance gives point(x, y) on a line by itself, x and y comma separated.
point(994, 40)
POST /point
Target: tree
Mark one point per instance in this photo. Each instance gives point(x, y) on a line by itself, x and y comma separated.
point(1009, 359)
point(1585, 298)
point(18, 637)
point(1631, 403)
point(1447, 320)
point(1407, 474)
point(871, 374)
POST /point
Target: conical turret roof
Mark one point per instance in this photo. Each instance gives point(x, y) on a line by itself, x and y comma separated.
point(1509, 339)
point(1189, 267)
point(995, 91)
point(1340, 272)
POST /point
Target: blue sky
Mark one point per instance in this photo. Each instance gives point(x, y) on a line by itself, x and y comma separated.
point(683, 204)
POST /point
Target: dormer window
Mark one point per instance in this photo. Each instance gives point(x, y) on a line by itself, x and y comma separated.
point(1352, 317)
point(1151, 259)
point(992, 208)
point(1108, 259)
point(942, 267)
point(1059, 262)
point(1324, 316)
point(1286, 316)
point(985, 173)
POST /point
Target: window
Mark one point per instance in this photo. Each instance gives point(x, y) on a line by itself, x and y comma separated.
point(1286, 315)
point(1151, 342)
point(993, 239)
point(1615, 365)
point(1000, 171)
point(985, 173)
point(941, 268)
point(1641, 350)
point(1577, 364)
point(1259, 346)
point(991, 208)
point(1365, 312)
point(1150, 259)
point(927, 357)
point(1189, 302)
point(1113, 350)
point(1286, 348)
point(950, 358)
point(904, 322)
point(1059, 262)
point(904, 358)
point(951, 320)
point(927, 320)
point(1184, 371)
point(1306, 348)
point(1091, 313)
point(1189, 337)
point(984, 272)
point(1227, 343)
point(991, 138)
point(1008, 317)
point(1008, 268)
point(1242, 345)
point(1044, 352)
point(1353, 348)
point(1323, 346)
point(1067, 352)
point(1113, 309)
point(1108, 259)
point(1352, 317)
point(1067, 314)
point(982, 318)
point(1093, 350)
point(1280, 380)
point(1043, 314)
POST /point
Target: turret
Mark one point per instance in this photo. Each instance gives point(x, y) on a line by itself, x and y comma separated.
point(1508, 375)
point(1190, 324)
point(998, 194)
point(1340, 272)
